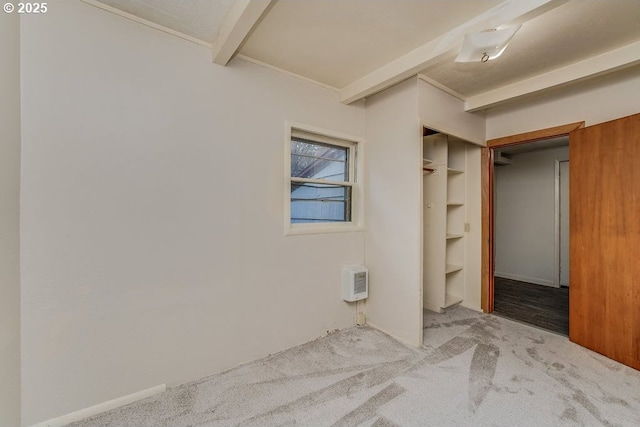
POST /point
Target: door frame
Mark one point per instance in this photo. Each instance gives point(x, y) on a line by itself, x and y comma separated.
point(488, 254)
point(558, 235)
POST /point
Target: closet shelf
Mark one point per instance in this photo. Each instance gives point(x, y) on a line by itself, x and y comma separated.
point(427, 166)
point(452, 268)
point(445, 201)
point(450, 300)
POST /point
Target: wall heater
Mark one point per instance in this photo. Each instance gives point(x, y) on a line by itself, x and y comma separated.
point(355, 283)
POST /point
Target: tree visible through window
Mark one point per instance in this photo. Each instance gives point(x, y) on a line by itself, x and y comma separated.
point(321, 179)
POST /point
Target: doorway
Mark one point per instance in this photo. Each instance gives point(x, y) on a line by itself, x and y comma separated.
point(527, 235)
point(488, 220)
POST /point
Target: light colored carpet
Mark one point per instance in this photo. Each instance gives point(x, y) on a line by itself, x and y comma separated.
point(475, 370)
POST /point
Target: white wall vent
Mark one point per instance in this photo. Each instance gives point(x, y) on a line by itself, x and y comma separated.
point(355, 283)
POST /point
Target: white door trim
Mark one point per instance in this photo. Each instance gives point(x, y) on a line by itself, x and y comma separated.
point(556, 209)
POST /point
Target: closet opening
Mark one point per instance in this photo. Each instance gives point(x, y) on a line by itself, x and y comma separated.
point(451, 221)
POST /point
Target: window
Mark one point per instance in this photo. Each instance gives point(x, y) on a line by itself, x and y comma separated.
point(322, 187)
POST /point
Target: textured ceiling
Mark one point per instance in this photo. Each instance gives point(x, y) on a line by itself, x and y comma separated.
point(574, 31)
point(196, 18)
point(339, 42)
point(336, 42)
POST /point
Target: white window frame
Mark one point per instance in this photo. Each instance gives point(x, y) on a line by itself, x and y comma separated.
point(356, 156)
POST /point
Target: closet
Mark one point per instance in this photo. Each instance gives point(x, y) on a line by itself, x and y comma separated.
point(444, 224)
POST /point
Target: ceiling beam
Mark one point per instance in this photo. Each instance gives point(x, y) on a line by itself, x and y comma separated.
point(242, 17)
point(608, 62)
point(443, 47)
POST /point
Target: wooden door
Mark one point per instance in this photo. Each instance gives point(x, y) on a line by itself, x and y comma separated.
point(604, 297)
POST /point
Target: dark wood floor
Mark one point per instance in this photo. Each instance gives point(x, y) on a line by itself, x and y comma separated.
point(537, 305)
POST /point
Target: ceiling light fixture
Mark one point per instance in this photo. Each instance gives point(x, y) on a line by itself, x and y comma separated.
point(485, 45)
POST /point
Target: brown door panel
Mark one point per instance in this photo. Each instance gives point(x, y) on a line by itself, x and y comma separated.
point(604, 299)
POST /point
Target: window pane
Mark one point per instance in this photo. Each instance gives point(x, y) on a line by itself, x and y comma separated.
point(320, 203)
point(319, 161)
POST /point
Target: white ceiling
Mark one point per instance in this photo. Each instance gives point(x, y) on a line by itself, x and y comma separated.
point(573, 31)
point(362, 46)
point(337, 42)
point(200, 19)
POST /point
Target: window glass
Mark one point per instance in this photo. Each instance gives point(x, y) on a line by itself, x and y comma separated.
point(312, 202)
point(320, 161)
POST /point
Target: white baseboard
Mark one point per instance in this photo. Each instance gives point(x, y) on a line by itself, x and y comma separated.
point(101, 407)
point(471, 307)
point(533, 280)
point(435, 308)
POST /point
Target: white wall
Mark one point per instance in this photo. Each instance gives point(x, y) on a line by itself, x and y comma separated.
point(525, 217)
point(440, 111)
point(152, 212)
point(9, 220)
point(608, 98)
point(393, 206)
